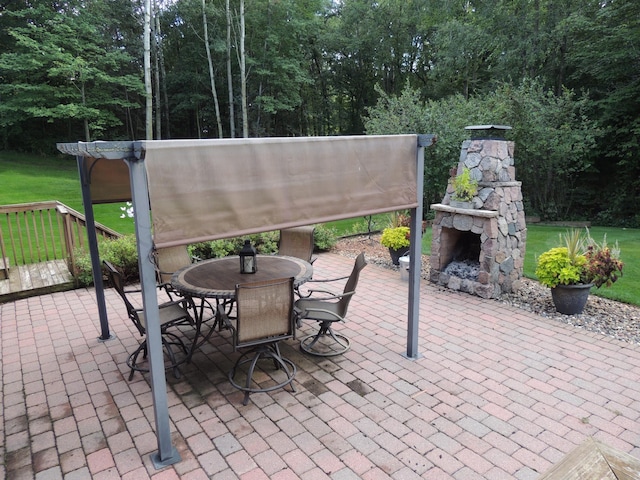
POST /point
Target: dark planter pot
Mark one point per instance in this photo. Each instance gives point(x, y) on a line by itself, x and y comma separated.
point(396, 254)
point(570, 299)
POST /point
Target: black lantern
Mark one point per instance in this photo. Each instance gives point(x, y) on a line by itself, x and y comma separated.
point(248, 262)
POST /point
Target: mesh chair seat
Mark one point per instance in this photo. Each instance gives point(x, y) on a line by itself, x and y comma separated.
point(264, 317)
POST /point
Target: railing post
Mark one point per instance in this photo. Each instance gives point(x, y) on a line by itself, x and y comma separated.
point(67, 236)
point(4, 267)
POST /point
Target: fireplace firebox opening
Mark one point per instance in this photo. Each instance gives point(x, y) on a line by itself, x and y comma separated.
point(463, 257)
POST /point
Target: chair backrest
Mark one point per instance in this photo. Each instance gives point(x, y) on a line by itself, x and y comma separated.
point(171, 259)
point(297, 242)
point(352, 283)
point(117, 282)
point(264, 312)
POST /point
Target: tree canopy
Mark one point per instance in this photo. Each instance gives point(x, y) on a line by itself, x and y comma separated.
point(565, 74)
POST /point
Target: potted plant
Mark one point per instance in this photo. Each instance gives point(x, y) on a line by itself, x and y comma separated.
point(396, 239)
point(573, 269)
point(465, 188)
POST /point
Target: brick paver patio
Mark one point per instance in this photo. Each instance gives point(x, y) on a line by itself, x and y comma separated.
point(497, 393)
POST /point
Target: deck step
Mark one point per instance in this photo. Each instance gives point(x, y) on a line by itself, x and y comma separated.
point(4, 269)
point(36, 279)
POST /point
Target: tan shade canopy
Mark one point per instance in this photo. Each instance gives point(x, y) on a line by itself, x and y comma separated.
point(109, 180)
point(208, 189)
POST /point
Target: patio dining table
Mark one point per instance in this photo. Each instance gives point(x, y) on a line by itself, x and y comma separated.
point(217, 279)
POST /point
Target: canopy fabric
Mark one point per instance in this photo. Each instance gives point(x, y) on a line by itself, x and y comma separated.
point(109, 180)
point(207, 189)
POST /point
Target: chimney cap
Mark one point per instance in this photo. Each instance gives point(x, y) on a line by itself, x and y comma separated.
point(488, 127)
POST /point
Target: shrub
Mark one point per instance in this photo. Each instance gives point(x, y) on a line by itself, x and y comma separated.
point(555, 267)
point(395, 238)
point(265, 243)
point(122, 252)
point(581, 260)
point(83, 273)
point(324, 238)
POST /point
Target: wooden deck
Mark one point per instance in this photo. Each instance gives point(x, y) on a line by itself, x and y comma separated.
point(36, 279)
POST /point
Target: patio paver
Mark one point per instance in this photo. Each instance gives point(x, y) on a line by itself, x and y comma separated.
point(496, 393)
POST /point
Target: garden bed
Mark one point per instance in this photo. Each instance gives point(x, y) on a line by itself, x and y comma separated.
point(607, 317)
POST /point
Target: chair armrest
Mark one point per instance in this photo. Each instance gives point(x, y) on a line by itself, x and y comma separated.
point(309, 291)
point(328, 296)
point(328, 279)
point(313, 291)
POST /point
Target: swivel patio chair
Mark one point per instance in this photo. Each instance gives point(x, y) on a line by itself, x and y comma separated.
point(172, 315)
point(297, 242)
point(264, 317)
point(326, 308)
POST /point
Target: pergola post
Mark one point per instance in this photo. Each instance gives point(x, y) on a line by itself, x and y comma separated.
point(167, 453)
point(415, 252)
point(92, 240)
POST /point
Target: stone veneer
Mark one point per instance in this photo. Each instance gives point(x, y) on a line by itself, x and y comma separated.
point(495, 225)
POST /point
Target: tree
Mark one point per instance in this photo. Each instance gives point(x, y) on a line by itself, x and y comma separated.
point(553, 138)
point(147, 71)
point(605, 63)
point(60, 69)
point(463, 60)
point(232, 115)
point(212, 79)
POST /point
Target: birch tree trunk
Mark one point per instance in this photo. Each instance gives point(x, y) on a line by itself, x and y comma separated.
point(243, 75)
point(211, 77)
point(147, 71)
point(156, 54)
point(163, 79)
point(232, 115)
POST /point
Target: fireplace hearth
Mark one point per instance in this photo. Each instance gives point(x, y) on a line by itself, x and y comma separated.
point(481, 250)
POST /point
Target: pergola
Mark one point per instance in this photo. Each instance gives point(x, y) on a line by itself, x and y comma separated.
point(198, 190)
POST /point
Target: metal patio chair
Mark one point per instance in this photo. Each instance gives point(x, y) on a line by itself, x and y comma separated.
point(297, 242)
point(327, 308)
point(169, 260)
point(264, 317)
point(172, 315)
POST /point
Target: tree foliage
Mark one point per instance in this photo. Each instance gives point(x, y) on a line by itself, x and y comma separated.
point(564, 73)
point(553, 138)
point(61, 73)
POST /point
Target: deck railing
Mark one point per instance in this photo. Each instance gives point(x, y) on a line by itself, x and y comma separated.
point(42, 231)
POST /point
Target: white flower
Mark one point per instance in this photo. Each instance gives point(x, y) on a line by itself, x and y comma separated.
point(128, 210)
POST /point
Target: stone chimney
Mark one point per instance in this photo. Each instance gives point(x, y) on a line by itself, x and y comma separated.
point(480, 250)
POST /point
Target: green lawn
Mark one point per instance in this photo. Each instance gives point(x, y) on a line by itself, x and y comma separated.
point(29, 179)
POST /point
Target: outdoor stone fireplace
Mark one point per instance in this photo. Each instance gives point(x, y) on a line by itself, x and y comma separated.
point(480, 250)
